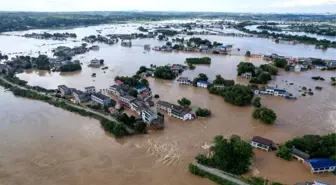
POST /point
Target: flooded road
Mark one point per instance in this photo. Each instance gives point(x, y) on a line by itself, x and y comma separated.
point(41, 144)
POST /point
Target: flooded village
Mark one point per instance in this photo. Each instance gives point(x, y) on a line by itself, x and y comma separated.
point(139, 75)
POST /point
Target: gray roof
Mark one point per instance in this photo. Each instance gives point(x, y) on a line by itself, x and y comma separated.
point(299, 153)
point(101, 96)
point(262, 140)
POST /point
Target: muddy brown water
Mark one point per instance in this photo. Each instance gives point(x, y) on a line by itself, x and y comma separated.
point(41, 144)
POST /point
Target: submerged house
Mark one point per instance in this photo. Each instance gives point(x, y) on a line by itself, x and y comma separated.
point(299, 155)
point(183, 113)
point(184, 81)
point(203, 84)
point(321, 165)
point(261, 143)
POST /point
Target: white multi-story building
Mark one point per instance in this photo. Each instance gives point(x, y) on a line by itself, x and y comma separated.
point(184, 81)
point(90, 89)
point(203, 84)
point(100, 99)
point(261, 143)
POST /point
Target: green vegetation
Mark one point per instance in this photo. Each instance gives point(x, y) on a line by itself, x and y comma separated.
point(265, 115)
point(191, 66)
point(256, 102)
point(316, 146)
point(269, 68)
point(248, 54)
point(133, 93)
point(317, 78)
point(200, 77)
point(142, 29)
point(280, 62)
point(238, 95)
point(284, 153)
point(203, 60)
point(184, 102)
point(132, 122)
point(118, 130)
point(231, 155)
point(271, 28)
point(220, 80)
point(70, 67)
point(164, 72)
point(203, 112)
point(262, 78)
point(131, 81)
point(245, 67)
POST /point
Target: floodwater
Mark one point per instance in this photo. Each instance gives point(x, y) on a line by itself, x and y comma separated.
point(46, 145)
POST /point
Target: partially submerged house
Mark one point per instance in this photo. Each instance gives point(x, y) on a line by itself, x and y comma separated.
point(203, 84)
point(64, 90)
point(101, 99)
point(261, 143)
point(299, 155)
point(184, 81)
point(183, 113)
point(321, 165)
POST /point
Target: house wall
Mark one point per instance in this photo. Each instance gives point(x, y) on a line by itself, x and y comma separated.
point(322, 170)
point(259, 145)
point(91, 90)
point(202, 85)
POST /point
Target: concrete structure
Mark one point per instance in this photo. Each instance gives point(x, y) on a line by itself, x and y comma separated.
point(95, 63)
point(299, 155)
point(321, 165)
point(127, 100)
point(80, 96)
point(101, 99)
point(176, 111)
point(184, 81)
point(261, 143)
point(90, 89)
point(148, 116)
point(64, 90)
point(203, 84)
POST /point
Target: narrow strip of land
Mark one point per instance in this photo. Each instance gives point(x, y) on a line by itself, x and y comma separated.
point(220, 173)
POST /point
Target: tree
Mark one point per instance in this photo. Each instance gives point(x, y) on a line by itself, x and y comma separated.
point(203, 112)
point(287, 67)
point(280, 62)
point(156, 96)
point(141, 70)
point(245, 67)
point(333, 79)
point(184, 102)
point(233, 155)
point(169, 44)
point(269, 68)
point(248, 54)
point(256, 102)
point(133, 93)
point(262, 78)
point(265, 115)
point(238, 95)
point(144, 82)
point(70, 67)
point(284, 152)
point(164, 72)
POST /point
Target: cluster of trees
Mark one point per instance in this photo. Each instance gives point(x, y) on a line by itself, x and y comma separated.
point(132, 122)
point(239, 95)
point(199, 41)
point(256, 102)
point(315, 145)
point(280, 62)
point(315, 29)
point(220, 80)
point(203, 112)
point(131, 81)
point(164, 72)
point(271, 28)
point(166, 32)
point(118, 130)
point(3, 57)
point(264, 114)
point(70, 67)
point(203, 60)
point(317, 78)
point(231, 155)
point(184, 102)
point(46, 35)
point(248, 54)
point(142, 29)
point(260, 75)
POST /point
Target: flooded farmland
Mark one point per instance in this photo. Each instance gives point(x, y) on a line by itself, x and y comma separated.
point(46, 145)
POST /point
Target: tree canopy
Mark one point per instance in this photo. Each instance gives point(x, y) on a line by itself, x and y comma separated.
point(280, 62)
point(245, 67)
point(203, 112)
point(238, 95)
point(256, 102)
point(264, 114)
point(248, 54)
point(220, 80)
point(184, 102)
point(164, 72)
point(231, 155)
point(70, 67)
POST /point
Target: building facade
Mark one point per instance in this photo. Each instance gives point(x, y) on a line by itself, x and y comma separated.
point(90, 89)
point(101, 99)
point(203, 84)
point(261, 143)
point(64, 90)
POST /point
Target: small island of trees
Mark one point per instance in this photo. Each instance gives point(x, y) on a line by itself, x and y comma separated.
point(70, 67)
point(264, 114)
point(203, 112)
point(164, 72)
point(203, 60)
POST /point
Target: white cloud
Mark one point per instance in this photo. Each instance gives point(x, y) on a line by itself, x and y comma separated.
point(302, 3)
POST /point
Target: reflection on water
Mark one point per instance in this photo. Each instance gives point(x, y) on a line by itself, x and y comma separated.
point(36, 148)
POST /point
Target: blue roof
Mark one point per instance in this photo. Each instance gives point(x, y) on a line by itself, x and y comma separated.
point(203, 82)
point(321, 163)
point(140, 87)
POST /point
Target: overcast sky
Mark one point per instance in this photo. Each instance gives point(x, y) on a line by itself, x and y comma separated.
point(283, 6)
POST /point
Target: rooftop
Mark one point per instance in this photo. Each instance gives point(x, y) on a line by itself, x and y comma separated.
point(321, 163)
point(90, 87)
point(183, 79)
point(299, 153)
point(262, 140)
point(63, 87)
point(101, 96)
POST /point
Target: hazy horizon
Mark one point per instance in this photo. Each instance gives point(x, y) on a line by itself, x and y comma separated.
point(239, 6)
